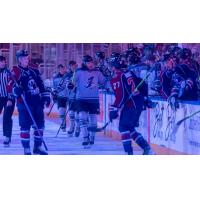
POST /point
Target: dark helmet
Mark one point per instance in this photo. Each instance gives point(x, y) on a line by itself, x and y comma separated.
point(72, 62)
point(2, 58)
point(116, 64)
point(134, 50)
point(176, 51)
point(22, 53)
point(185, 54)
point(114, 59)
point(167, 57)
point(87, 58)
point(61, 66)
point(172, 47)
point(149, 47)
point(133, 59)
point(115, 54)
point(100, 55)
point(123, 64)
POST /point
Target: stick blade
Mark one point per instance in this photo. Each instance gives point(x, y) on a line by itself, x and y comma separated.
point(175, 129)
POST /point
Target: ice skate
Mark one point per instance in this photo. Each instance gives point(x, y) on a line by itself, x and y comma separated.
point(27, 151)
point(149, 151)
point(6, 142)
point(70, 133)
point(39, 151)
point(86, 143)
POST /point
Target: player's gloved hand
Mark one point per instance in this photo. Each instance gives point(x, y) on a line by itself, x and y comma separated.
point(45, 99)
point(70, 86)
point(17, 91)
point(148, 103)
point(60, 88)
point(113, 113)
point(157, 85)
point(54, 95)
point(189, 84)
point(135, 93)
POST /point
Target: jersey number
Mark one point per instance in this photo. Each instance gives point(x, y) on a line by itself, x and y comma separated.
point(131, 83)
point(116, 85)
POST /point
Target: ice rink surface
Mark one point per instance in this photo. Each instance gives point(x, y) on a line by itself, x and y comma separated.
point(62, 145)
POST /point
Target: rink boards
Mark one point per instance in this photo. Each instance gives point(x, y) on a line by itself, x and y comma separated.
point(157, 125)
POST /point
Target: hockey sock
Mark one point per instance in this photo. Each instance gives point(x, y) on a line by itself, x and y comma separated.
point(72, 120)
point(83, 123)
point(38, 138)
point(25, 138)
point(92, 124)
point(62, 112)
point(77, 123)
point(140, 141)
point(126, 141)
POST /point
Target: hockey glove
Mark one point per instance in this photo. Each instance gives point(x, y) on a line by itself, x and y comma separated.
point(17, 91)
point(148, 103)
point(113, 113)
point(189, 84)
point(45, 99)
point(54, 95)
point(70, 86)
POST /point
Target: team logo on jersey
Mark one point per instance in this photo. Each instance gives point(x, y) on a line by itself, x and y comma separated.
point(32, 87)
point(90, 82)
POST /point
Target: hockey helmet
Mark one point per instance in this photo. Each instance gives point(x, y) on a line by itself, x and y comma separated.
point(167, 57)
point(115, 54)
point(133, 59)
point(185, 54)
point(61, 66)
point(22, 53)
point(100, 55)
point(87, 58)
point(72, 62)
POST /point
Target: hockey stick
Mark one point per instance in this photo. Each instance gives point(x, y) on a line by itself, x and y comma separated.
point(130, 96)
point(51, 109)
point(29, 111)
point(177, 125)
point(62, 123)
point(92, 129)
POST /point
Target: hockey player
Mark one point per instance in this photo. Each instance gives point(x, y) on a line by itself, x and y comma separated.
point(148, 57)
point(60, 93)
point(166, 76)
point(6, 102)
point(184, 79)
point(102, 65)
point(30, 85)
point(73, 114)
point(124, 84)
point(87, 80)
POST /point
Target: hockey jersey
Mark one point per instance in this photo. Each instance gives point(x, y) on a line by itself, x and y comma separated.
point(30, 81)
point(60, 83)
point(87, 84)
point(166, 83)
point(123, 85)
point(180, 82)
